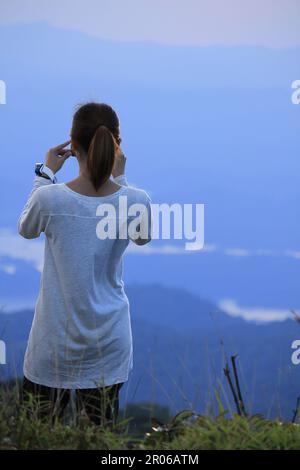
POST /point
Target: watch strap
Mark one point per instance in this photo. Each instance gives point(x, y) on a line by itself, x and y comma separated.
point(46, 172)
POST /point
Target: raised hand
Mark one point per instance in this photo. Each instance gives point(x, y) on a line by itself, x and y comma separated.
point(56, 156)
point(120, 162)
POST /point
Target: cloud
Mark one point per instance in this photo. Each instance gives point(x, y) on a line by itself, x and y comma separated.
point(14, 246)
point(244, 252)
point(293, 254)
point(166, 249)
point(254, 314)
point(169, 249)
point(8, 268)
point(237, 252)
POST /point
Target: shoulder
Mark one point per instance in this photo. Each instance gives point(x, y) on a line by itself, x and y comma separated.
point(48, 196)
point(48, 190)
point(138, 195)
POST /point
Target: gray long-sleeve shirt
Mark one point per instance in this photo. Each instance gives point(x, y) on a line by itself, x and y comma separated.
point(81, 333)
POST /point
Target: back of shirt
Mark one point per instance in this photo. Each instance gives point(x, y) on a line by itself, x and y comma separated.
point(81, 334)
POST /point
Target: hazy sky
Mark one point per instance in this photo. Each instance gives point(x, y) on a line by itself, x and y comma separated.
point(273, 23)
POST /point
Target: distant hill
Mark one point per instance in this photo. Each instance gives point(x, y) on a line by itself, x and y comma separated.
point(213, 125)
point(39, 48)
point(180, 342)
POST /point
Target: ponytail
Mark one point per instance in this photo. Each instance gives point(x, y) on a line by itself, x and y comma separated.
point(101, 156)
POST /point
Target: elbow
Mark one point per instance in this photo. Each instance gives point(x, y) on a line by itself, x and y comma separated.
point(25, 233)
point(28, 236)
point(142, 241)
point(21, 229)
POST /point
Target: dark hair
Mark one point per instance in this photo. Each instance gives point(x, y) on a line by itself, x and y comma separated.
point(95, 125)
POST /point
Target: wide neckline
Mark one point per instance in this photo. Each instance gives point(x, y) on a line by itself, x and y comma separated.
point(92, 198)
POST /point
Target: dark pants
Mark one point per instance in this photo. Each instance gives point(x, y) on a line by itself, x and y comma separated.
point(100, 405)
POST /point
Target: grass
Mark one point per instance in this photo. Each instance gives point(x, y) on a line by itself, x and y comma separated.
point(238, 433)
point(186, 431)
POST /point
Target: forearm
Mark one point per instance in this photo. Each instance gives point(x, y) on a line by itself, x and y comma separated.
point(40, 181)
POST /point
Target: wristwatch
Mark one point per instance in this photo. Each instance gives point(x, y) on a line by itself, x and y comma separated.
point(45, 172)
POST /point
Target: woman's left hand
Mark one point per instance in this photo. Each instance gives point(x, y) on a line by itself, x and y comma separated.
point(56, 156)
point(120, 162)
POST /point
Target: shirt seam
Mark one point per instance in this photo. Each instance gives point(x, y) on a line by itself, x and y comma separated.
point(84, 216)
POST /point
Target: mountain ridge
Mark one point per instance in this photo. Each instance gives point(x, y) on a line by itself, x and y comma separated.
point(185, 361)
point(41, 42)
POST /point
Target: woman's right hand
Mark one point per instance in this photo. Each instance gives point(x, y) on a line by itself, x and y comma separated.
point(120, 162)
